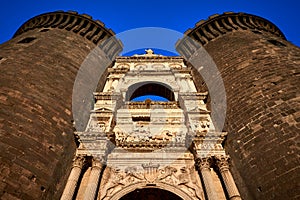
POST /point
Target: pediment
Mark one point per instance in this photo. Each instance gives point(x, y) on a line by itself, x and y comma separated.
point(103, 109)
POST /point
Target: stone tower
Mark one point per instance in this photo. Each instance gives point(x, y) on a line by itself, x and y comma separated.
point(125, 149)
point(260, 71)
point(38, 68)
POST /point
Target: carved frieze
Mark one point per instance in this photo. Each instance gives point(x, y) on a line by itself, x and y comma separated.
point(146, 139)
point(149, 127)
point(181, 177)
point(96, 126)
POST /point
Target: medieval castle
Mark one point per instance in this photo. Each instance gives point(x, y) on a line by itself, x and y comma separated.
point(66, 136)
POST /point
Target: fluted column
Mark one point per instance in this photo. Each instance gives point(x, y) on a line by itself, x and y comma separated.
point(222, 163)
point(73, 178)
point(203, 165)
point(93, 182)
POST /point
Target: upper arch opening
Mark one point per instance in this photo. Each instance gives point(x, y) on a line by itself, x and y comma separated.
point(158, 92)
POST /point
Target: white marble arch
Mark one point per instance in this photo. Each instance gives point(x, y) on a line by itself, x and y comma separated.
point(142, 185)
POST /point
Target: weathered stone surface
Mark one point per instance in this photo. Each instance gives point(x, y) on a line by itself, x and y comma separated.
point(38, 69)
point(146, 144)
point(260, 71)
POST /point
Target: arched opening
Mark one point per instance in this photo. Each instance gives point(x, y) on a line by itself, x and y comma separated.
point(151, 194)
point(151, 97)
point(176, 193)
point(149, 90)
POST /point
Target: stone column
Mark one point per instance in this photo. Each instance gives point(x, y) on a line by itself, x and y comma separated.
point(222, 163)
point(203, 165)
point(73, 178)
point(93, 182)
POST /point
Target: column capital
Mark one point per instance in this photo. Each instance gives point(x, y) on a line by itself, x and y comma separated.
point(98, 162)
point(78, 161)
point(223, 165)
point(222, 162)
point(203, 163)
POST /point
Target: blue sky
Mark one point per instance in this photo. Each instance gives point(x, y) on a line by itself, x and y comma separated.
point(172, 14)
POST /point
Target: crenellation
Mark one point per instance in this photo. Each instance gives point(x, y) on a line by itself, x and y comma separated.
point(79, 24)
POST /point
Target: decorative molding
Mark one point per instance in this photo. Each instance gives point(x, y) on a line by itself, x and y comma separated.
point(222, 162)
point(203, 163)
point(143, 59)
point(218, 25)
point(152, 104)
point(82, 25)
point(79, 161)
point(144, 140)
point(178, 177)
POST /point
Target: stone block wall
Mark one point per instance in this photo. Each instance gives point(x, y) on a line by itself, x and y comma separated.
point(260, 70)
point(38, 69)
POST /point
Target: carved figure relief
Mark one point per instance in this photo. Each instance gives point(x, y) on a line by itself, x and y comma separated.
point(113, 180)
point(145, 137)
point(96, 126)
point(188, 182)
point(116, 179)
point(143, 127)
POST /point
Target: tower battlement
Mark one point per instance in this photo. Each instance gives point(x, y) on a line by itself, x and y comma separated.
point(83, 25)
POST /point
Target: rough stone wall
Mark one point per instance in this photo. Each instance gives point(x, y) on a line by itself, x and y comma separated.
point(261, 76)
point(262, 87)
point(37, 143)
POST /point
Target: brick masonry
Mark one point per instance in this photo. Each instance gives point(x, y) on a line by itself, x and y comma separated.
point(262, 88)
point(260, 71)
point(37, 76)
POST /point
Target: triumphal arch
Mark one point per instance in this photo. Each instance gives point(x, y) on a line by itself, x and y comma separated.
point(160, 148)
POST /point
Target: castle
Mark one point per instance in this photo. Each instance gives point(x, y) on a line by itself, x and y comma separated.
point(70, 128)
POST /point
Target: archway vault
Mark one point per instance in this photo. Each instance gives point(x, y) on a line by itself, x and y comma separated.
point(161, 186)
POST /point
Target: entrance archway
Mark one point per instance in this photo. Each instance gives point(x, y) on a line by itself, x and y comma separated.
point(151, 194)
point(176, 192)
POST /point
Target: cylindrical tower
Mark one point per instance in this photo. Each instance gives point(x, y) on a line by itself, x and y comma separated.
point(38, 69)
point(260, 71)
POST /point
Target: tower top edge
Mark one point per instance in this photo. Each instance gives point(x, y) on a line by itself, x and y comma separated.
point(68, 20)
point(59, 13)
point(239, 20)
